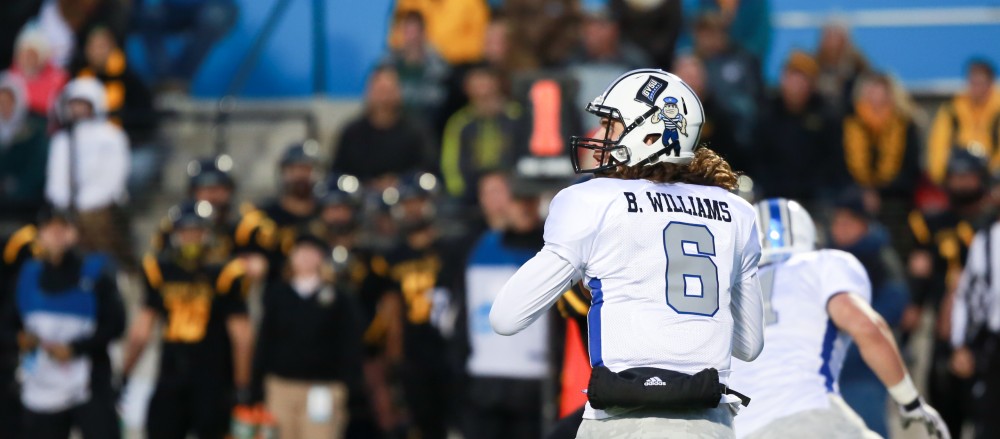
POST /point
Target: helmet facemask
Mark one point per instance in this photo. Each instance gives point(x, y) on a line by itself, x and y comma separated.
point(614, 152)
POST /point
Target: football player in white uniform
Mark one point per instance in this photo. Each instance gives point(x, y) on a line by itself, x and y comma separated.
point(815, 303)
point(670, 257)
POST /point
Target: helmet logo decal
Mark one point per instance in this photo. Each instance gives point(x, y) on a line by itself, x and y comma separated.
point(651, 91)
point(674, 125)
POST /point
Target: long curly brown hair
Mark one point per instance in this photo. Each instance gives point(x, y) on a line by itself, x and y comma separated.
point(706, 169)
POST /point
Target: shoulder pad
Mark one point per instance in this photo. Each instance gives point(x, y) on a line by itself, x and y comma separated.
point(918, 225)
point(380, 266)
point(576, 302)
point(229, 274)
point(250, 222)
point(151, 267)
point(965, 232)
point(22, 237)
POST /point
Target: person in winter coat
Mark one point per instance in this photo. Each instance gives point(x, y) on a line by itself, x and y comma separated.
point(24, 150)
point(88, 167)
point(33, 64)
point(65, 311)
point(308, 363)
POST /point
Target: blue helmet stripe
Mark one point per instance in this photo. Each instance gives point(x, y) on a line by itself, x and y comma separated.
point(775, 226)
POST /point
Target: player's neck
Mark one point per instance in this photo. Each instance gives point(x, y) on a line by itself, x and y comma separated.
point(420, 240)
point(970, 211)
point(298, 206)
point(489, 107)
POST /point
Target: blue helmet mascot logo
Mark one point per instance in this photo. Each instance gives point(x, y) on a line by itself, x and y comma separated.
point(674, 125)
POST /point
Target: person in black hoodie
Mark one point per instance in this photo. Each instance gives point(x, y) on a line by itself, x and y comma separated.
point(24, 153)
point(942, 236)
point(308, 362)
point(798, 139)
point(414, 284)
point(266, 232)
point(66, 312)
point(382, 142)
point(717, 130)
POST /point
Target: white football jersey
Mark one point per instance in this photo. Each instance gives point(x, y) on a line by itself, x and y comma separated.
point(663, 262)
point(803, 350)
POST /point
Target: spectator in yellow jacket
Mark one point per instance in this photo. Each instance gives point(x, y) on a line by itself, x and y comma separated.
point(456, 28)
point(971, 120)
point(882, 150)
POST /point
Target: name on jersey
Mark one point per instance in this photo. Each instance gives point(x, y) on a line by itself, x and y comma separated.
point(695, 206)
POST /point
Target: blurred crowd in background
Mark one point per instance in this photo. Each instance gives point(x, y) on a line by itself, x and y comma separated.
point(354, 302)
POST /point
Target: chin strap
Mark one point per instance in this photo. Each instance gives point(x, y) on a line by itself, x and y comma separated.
point(649, 159)
point(639, 121)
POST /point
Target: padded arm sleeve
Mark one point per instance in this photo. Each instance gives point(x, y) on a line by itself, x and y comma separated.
point(748, 305)
point(528, 294)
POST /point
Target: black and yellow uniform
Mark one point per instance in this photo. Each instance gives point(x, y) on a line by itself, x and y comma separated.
point(270, 229)
point(219, 250)
point(195, 390)
point(253, 233)
point(946, 237)
point(354, 273)
point(129, 102)
point(17, 248)
point(416, 275)
point(285, 223)
point(356, 276)
point(962, 124)
point(574, 305)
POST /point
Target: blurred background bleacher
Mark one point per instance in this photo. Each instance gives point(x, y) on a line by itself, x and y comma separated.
point(506, 84)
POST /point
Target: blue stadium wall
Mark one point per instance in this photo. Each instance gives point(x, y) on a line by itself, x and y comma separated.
point(924, 42)
point(355, 39)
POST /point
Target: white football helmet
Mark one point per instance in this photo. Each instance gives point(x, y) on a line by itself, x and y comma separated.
point(784, 228)
point(652, 105)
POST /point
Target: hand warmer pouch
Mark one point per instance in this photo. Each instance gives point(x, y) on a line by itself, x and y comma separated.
point(649, 387)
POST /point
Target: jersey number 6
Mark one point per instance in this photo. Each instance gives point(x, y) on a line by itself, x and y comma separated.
point(692, 276)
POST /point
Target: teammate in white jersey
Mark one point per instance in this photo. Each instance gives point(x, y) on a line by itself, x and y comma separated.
point(670, 257)
point(815, 303)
